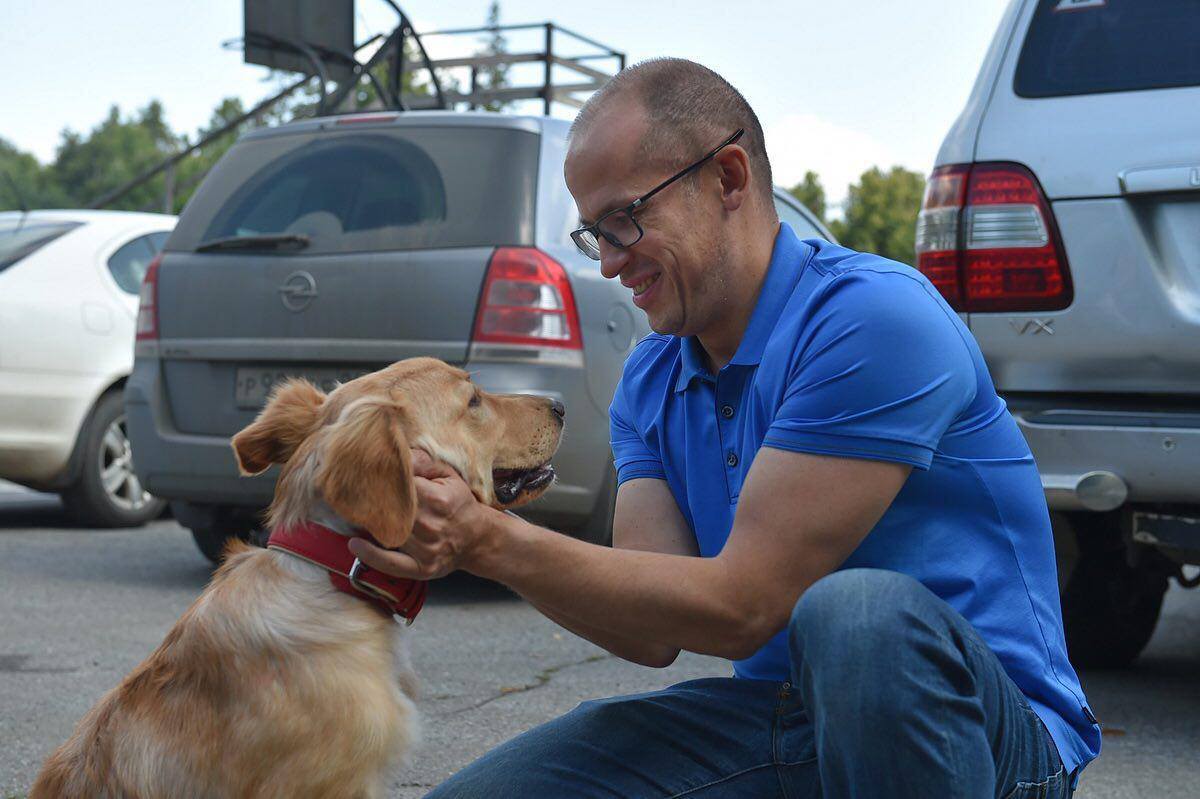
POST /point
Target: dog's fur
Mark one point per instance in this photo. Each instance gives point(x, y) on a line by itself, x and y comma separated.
point(273, 684)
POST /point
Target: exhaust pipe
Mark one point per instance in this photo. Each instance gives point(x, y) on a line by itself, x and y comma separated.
point(1094, 491)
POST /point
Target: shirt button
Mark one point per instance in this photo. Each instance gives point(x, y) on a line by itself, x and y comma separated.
point(732, 460)
point(727, 411)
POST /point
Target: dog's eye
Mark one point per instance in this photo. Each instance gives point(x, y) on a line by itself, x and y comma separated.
point(476, 400)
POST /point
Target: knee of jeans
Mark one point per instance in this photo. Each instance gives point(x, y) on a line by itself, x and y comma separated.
point(852, 610)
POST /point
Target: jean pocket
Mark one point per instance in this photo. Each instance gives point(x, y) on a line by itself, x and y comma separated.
point(1053, 787)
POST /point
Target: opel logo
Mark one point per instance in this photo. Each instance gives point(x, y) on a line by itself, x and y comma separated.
point(298, 291)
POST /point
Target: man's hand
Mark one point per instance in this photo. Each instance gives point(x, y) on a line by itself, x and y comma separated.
point(449, 528)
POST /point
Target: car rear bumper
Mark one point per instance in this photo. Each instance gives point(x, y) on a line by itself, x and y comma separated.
point(40, 416)
point(200, 469)
point(1098, 458)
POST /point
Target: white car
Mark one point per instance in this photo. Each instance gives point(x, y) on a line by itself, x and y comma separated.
point(69, 283)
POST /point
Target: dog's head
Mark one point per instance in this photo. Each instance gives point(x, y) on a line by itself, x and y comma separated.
point(350, 448)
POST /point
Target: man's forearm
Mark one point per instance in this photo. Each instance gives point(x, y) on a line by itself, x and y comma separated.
point(641, 652)
point(674, 601)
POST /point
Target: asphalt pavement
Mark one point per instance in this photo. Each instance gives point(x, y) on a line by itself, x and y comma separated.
point(79, 608)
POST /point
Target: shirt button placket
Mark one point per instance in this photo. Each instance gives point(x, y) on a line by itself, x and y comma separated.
point(727, 390)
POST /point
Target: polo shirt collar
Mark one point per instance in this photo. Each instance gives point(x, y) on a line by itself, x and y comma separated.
point(783, 272)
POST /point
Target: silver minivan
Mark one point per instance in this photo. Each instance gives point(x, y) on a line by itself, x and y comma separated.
point(330, 247)
point(1062, 221)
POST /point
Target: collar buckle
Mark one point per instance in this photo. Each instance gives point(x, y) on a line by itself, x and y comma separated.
point(363, 587)
point(356, 569)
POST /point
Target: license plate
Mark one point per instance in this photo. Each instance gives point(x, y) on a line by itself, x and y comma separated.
point(253, 384)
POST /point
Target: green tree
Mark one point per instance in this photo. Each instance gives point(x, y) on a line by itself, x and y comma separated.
point(811, 194)
point(881, 213)
point(23, 180)
point(117, 150)
point(496, 76)
point(89, 166)
point(192, 169)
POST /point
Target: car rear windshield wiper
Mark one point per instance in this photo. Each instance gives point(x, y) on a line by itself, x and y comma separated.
point(266, 241)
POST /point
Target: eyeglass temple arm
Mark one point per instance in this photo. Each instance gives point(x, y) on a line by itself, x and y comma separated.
point(640, 200)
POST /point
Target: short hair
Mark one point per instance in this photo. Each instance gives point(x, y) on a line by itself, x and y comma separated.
point(690, 109)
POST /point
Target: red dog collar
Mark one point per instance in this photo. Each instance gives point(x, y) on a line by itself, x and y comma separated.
point(325, 548)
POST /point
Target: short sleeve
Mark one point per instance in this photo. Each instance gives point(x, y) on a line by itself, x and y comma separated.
point(631, 454)
point(881, 371)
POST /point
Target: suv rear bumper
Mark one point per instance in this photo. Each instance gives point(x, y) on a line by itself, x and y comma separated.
point(200, 469)
point(1154, 453)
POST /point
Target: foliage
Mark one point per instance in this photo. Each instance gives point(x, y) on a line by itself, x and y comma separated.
point(116, 151)
point(494, 77)
point(87, 166)
point(811, 194)
point(192, 169)
point(879, 216)
point(23, 181)
point(881, 213)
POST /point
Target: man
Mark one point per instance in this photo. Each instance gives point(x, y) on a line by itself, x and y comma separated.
point(817, 481)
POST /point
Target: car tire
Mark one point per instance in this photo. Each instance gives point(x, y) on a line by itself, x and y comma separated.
point(211, 541)
point(107, 492)
point(1110, 606)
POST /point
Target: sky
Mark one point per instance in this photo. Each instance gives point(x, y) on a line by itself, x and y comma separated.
point(839, 86)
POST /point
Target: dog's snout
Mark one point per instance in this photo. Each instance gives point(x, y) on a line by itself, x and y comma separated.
point(558, 409)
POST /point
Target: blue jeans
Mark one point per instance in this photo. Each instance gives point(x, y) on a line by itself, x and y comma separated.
point(893, 694)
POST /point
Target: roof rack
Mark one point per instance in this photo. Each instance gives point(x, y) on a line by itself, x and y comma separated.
point(310, 37)
point(313, 37)
point(584, 77)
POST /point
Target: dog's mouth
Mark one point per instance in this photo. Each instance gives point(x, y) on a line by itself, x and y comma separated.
point(512, 485)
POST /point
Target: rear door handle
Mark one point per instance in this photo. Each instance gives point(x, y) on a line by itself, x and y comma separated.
point(1160, 179)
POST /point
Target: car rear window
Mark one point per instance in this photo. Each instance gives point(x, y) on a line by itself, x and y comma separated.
point(20, 238)
point(1092, 46)
point(380, 189)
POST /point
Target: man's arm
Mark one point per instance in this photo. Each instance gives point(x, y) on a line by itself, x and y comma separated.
point(647, 519)
point(800, 516)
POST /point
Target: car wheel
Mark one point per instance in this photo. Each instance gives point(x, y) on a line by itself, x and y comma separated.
point(1110, 606)
point(211, 541)
point(107, 492)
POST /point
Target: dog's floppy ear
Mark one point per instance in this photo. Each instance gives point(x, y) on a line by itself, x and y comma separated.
point(291, 415)
point(366, 471)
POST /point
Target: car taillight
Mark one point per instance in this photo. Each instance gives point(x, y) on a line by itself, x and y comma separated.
point(526, 306)
point(147, 317)
point(986, 238)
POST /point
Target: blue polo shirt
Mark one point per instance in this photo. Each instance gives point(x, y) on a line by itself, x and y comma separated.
point(853, 355)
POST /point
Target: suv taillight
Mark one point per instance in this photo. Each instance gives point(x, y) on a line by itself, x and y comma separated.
point(986, 238)
point(527, 302)
point(147, 317)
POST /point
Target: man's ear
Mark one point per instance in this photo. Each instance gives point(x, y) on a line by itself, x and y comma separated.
point(735, 176)
point(366, 472)
point(290, 416)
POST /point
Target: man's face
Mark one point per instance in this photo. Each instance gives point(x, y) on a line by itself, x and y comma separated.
point(677, 271)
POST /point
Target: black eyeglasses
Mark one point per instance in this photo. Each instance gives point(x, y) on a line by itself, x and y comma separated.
point(618, 226)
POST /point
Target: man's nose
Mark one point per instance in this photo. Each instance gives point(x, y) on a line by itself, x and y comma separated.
point(612, 259)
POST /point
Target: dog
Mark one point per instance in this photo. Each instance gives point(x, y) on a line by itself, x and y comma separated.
point(279, 680)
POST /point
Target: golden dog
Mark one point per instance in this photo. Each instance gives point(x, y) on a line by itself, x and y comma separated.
point(274, 683)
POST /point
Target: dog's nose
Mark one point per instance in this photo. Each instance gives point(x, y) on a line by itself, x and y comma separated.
point(558, 408)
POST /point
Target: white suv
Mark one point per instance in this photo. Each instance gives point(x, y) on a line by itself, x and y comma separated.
point(1063, 221)
point(69, 283)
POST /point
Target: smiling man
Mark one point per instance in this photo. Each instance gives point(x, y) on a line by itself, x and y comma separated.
point(817, 482)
